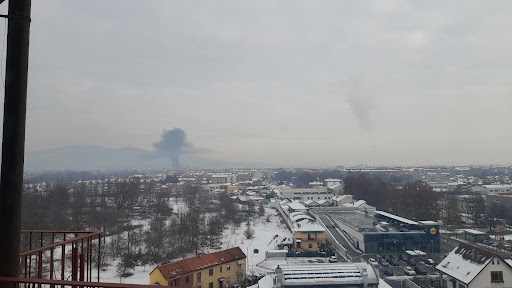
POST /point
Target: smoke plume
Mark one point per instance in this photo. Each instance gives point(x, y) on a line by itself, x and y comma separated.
point(361, 104)
point(172, 144)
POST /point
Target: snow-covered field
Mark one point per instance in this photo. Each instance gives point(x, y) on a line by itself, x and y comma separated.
point(264, 240)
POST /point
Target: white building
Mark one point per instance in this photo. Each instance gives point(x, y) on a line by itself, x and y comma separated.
point(332, 182)
point(492, 189)
point(342, 199)
point(471, 267)
point(326, 275)
point(304, 194)
point(222, 179)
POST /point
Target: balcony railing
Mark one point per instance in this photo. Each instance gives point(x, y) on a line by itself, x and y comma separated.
point(59, 259)
point(47, 283)
point(60, 255)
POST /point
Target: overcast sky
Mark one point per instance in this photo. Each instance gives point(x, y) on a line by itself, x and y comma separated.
point(288, 82)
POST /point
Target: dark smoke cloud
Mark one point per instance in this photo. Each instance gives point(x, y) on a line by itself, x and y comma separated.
point(172, 144)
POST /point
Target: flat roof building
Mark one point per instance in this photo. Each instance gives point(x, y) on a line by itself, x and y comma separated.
point(381, 232)
point(335, 275)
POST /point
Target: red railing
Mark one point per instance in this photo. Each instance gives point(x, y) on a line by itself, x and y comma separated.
point(53, 255)
point(47, 283)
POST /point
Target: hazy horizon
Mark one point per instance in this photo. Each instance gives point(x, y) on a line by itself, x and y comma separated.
point(291, 83)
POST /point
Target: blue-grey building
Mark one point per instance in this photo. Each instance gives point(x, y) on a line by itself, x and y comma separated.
point(381, 232)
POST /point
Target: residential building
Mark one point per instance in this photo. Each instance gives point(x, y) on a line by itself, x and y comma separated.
point(215, 270)
point(501, 204)
point(468, 266)
point(222, 179)
point(309, 237)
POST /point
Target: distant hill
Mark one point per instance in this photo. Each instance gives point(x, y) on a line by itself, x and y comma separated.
point(83, 157)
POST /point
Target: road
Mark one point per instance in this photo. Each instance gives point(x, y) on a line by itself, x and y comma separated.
point(447, 244)
point(351, 253)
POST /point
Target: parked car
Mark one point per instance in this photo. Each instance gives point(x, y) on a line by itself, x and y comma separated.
point(487, 242)
point(403, 257)
point(388, 273)
point(256, 251)
point(394, 262)
point(429, 262)
point(411, 262)
point(419, 271)
point(384, 263)
point(373, 262)
point(333, 259)
point(409, 271)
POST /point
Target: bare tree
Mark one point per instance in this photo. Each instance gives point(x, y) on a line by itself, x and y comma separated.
point(249, 232)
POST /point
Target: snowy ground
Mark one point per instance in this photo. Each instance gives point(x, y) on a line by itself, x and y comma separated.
point(264, 240)
point(140, 274)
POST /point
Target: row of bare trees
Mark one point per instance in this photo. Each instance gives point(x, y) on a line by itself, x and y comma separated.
point(414, 200)
point(417, 200)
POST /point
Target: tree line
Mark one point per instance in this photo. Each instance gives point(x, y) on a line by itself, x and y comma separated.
point(414, 200)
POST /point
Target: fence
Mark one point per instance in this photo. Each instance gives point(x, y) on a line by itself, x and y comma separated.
point(60, 255)
point(47, 283)
point(327, 253)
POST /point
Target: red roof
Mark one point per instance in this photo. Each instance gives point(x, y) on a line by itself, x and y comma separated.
point(199, 262)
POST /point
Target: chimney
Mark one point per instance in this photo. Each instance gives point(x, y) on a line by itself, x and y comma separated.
point(279, 277)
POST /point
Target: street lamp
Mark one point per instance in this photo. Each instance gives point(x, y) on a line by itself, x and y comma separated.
point(432, 241)
point(395, 246)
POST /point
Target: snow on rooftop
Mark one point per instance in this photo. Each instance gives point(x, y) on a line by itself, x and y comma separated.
point(300, 217)
point(340, 197)
point(497, 186)
point(398, 218)
point(428, 222)
point(327, 273)
point(266, 282)
point(474, 232)
point(297, 206)
point(509, 262)
point(310, 228)
point(459, 266)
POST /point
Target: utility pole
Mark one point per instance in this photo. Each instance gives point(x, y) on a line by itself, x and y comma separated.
point(13, 139)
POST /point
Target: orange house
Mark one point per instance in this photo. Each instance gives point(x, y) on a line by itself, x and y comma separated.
point(220, 269)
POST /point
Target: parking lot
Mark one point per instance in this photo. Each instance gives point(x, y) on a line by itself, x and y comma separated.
point(399, 264)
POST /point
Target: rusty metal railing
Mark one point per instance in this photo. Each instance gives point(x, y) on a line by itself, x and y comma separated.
point(53, 255)
point(47, 283)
